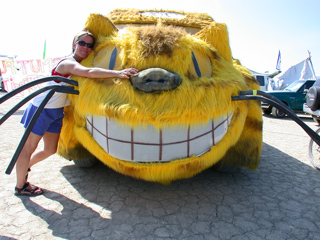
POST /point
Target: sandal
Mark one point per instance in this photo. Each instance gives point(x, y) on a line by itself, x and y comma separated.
point(28, 190)
point(33, 186)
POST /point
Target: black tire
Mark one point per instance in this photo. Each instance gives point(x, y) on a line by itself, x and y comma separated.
point(278, 113)
point(85, 163)
point(266, 111)
point(313, 98)
point(314, 153)
point(225, 168)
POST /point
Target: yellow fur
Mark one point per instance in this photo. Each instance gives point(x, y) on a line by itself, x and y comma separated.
point(218, 37)
point(131, 16)
point(195, 101)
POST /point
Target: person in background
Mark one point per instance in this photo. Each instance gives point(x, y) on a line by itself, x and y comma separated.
point(49, 123)
point(1, 82)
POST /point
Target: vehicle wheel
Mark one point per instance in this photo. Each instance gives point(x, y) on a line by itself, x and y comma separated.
point(85, 163)
point(316, 119)
point(266, 111)
point(278, 113)
point(314, 153)
point(225, 168)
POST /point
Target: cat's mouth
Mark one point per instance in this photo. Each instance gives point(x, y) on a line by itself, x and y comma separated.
point(150, 144)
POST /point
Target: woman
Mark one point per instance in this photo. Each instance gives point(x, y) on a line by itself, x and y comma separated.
point(49, 123)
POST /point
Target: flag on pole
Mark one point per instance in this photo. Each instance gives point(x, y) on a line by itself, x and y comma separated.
point(278, 67)
point(44, 49)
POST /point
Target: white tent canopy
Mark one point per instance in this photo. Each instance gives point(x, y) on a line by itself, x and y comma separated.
point(301, 71)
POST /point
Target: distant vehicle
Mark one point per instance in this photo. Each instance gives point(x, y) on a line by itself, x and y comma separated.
point(294, 96)
point(312, 105)
point(263, 82)
point(314, 113)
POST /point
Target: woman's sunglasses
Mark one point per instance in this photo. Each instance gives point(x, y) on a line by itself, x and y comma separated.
point(83, 43)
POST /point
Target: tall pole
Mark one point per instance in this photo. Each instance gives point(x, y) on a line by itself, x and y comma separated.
point(312, 69)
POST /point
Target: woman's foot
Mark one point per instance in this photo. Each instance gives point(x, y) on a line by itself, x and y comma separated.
point(28, 190)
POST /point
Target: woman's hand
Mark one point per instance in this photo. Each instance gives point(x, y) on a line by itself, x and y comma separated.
point(126, 73)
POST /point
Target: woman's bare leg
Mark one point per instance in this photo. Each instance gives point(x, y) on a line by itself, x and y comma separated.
point(24, 158)
point(50, 147)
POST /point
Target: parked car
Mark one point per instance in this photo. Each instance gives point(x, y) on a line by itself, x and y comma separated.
point(263, 81)
point(314, 113)
point(312, 105)
point(294, 96)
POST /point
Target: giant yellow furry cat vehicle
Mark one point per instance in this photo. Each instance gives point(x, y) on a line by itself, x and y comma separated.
point(175, 118)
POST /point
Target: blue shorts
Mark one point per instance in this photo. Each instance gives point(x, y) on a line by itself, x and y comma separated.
point(50, 120)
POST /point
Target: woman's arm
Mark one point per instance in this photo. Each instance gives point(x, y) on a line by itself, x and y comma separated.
point(75, 68)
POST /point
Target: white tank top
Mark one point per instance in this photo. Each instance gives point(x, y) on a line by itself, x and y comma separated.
point(58, 100)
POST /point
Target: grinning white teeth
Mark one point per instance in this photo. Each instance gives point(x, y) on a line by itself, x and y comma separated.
point(148, 144)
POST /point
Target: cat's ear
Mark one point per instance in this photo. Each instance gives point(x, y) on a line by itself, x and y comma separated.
point(216, 34)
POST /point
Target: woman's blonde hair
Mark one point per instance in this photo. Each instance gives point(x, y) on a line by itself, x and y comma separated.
point(80, 34)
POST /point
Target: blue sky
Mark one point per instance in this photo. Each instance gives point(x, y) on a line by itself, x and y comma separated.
point(257, 29)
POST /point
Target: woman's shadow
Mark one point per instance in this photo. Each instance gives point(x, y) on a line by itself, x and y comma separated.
point(73, 220)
